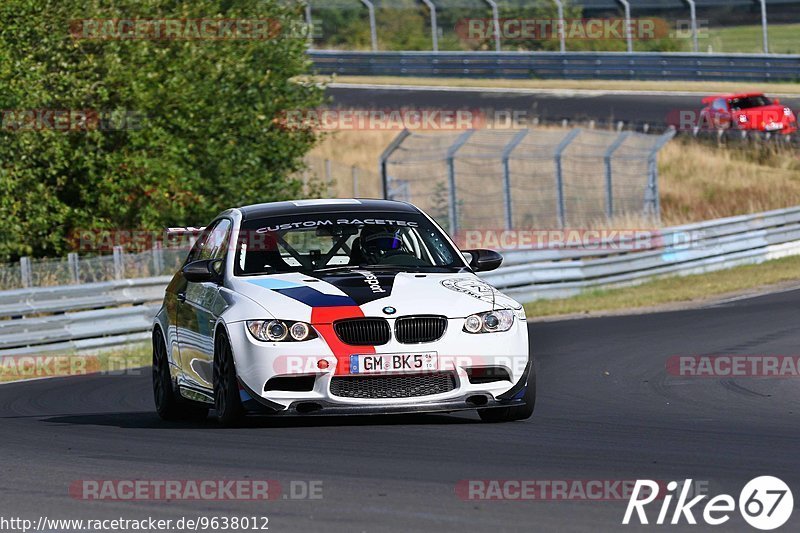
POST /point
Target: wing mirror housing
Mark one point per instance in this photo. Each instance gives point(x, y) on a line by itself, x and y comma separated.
point(484, 260)
point(205, 270)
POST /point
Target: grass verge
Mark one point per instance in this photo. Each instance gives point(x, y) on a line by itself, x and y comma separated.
point(599, 85)
point(672, 290)
point(113, 361)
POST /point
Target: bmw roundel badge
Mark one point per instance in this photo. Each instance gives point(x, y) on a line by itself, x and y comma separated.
point(389, 310)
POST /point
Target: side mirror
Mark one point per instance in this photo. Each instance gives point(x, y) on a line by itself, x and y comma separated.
point(484, 260)
point(203, 271)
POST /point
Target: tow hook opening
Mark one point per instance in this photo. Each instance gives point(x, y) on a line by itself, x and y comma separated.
point(308, 407)
point(478, 400)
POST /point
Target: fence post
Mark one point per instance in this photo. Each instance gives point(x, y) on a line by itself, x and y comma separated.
point(562, 208)
point(74, 268)
point(355, 181)
point(607, 161)
point(373, 32)
point(451, 178)
point(628, 36)
point(309, 25)
point(651, 194)
point(434, 28)
point(158, 258)
point(693, 15)
point(394, 145)
point(507, 176)
point(25, 271)
point(328, 177)
point(764, 35)
point(496, 24)
point(562, 46)
point(119, 267)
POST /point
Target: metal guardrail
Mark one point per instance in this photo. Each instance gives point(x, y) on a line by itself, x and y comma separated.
point(693, 248)
point(568, 65)
point(96, 315)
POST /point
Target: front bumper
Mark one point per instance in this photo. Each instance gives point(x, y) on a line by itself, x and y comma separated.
point(258, 362)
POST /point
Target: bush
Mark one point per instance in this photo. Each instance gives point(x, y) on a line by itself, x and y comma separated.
point(196, 129)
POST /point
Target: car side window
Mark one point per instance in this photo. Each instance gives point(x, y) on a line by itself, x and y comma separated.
point(213, 243)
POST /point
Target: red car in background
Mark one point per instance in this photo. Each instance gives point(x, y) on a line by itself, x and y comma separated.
point(747, 111)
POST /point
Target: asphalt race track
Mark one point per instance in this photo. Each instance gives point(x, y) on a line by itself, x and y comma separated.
point(607, 410)
point(602, 106)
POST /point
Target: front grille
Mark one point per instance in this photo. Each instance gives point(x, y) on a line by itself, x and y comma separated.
point(416, 329)
point(363, 331)
point(406, 386)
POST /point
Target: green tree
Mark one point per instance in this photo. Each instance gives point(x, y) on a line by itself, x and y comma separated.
point(209, 134)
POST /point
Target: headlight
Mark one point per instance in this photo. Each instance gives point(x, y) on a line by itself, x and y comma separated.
point(787, 112)
point(280, 330)
point(490, 322)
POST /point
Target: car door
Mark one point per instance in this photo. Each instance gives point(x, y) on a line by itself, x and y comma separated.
point(199, 307)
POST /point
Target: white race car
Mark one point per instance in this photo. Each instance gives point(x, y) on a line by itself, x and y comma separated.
point(337, 307)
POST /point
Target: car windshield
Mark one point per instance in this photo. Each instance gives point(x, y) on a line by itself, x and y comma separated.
point(342, 241)
point(746, 102)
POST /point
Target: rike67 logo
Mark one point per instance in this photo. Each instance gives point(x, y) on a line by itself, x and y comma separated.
point(765, 503)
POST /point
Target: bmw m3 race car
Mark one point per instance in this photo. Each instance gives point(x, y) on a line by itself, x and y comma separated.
point(337, 307)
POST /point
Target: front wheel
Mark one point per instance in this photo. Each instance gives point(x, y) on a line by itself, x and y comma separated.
point(227, 401)
point(517, 412)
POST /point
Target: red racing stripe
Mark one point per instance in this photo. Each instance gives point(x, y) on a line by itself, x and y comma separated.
point(322, 319)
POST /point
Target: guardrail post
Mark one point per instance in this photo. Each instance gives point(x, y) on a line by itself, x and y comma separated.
point(451, 179)
point(609, 173)
point(651, 194)
point(562, 208)
point(373, 31)
point(25, 271)
point(382, 162)
point(764, 35)
point(628, 36)
point(434, 28)
point(74, 267)
point(507, 176)
point(562, 45)
point(119, 266)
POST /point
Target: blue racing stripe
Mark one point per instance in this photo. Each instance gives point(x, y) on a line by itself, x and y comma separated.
point(314, 298)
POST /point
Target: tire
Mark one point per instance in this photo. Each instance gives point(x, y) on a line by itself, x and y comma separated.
point(517, 412)
point(227, 401)
point(168, 405)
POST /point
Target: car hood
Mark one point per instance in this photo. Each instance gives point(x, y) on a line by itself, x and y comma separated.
point(295, 296)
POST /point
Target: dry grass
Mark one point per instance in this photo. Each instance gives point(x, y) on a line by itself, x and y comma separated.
point(695, 288)
point(697, 180)
point(700, 181)
point(608, 85)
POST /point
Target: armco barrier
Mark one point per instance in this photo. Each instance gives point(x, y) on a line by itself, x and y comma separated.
point(567, 65)
point(106, 314)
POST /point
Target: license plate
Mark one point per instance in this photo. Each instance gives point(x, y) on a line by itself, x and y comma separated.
point(379, 363)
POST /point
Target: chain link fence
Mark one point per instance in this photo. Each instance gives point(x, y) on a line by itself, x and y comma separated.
point(548, 178)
